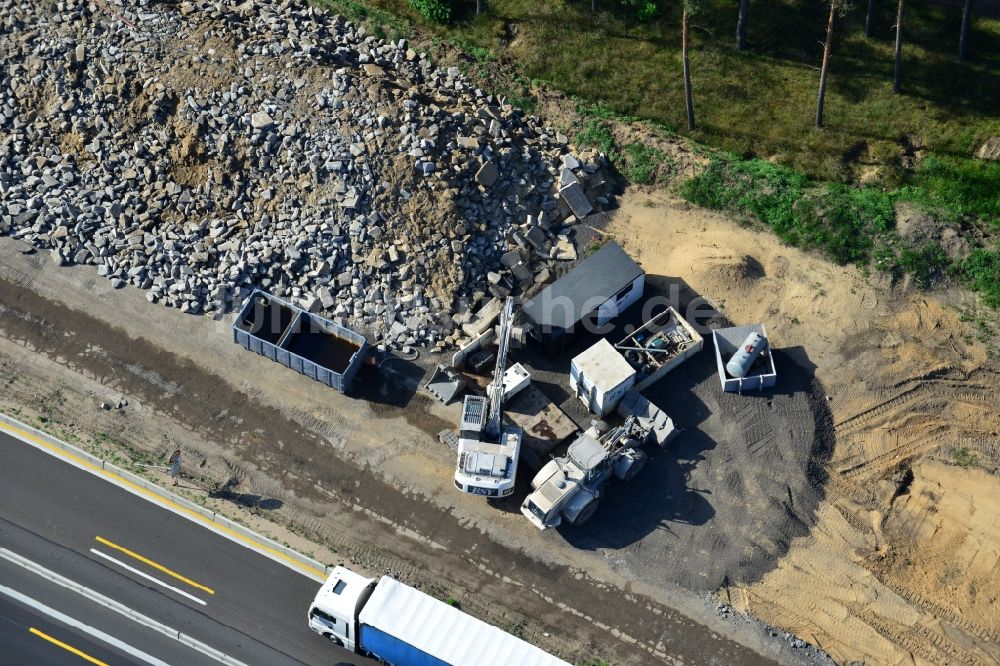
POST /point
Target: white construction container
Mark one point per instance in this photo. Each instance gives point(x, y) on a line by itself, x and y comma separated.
point(600, 376)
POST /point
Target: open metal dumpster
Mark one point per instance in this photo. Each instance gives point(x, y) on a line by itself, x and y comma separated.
point(300, 340)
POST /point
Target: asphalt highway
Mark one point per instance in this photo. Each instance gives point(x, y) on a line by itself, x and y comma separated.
point(21, 635)
point(91, 573)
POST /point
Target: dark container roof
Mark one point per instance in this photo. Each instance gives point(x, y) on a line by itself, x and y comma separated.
point(597, 278)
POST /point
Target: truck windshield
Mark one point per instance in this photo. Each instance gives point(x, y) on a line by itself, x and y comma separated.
point(315, 612)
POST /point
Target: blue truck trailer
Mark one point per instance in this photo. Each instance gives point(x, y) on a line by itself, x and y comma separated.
point(403, 626)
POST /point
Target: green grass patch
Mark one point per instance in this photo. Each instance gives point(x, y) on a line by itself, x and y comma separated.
point(599, 111)
point(642, 164)
point(436, 11)
point(481, 55)
point(957, 187)
point(517, 90)
point(639, 163)
point(844, 222)
point(516, 629)
point(981, 271)
point(765, 191)
point(848, 224)
point(596, 134)
point(963, 457)
point(384, 24)
point(594, 247)
point(924, 263)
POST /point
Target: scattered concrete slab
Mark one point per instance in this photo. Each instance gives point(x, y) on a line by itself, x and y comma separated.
point(577, 201)
point(545, 426)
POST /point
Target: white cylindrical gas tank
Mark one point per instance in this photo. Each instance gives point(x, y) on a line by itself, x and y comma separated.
point(746, 354)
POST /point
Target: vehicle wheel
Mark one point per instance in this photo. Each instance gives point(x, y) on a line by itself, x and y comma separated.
point(586, 514)
point(638, 463)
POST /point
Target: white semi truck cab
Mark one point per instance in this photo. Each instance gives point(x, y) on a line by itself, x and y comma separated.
point(335, 610)
point(400, 625)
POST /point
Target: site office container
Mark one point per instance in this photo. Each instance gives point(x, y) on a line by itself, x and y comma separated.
point(600, 376)
point(598, 289)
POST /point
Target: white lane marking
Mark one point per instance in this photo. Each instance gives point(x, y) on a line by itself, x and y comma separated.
point(119, 608)
point(147, 576)
point(80, 626)
point(164, 499)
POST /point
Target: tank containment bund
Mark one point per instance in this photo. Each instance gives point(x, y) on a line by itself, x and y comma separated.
point(746, 354)
point(760, 373)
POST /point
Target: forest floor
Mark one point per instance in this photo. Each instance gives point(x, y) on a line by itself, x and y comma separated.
point(756, 103)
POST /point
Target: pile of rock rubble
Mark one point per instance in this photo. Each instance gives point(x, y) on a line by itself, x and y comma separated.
point(199, 149)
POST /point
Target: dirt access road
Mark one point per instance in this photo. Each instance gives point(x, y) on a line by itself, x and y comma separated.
point(344, 479)
point(901, 564)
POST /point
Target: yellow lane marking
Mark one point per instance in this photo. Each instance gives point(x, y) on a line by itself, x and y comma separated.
point(158, 499)
point(68, 648)
point(155, 565)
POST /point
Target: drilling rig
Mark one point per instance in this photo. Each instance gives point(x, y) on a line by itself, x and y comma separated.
point(488, 448)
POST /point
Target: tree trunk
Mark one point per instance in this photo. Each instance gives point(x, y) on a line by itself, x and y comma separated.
point(868, 18)
point(687, 70)
point(963, 38)
point(898, 71)
point(593, 6)
point(826, 64)
point(741, 25)
point(479, 7)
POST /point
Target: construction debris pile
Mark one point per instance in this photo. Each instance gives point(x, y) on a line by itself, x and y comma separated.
point(197, 149)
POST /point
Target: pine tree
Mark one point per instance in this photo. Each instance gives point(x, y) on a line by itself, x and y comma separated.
point(691, 8)
point(741, 25)
point(963, 37)
point(897, 77)
point(868, 18)
point(836, 6)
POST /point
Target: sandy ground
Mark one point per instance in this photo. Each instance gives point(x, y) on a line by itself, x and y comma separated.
point(902, 562)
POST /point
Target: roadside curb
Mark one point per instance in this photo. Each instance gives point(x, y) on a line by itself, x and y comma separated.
point(164, 498)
